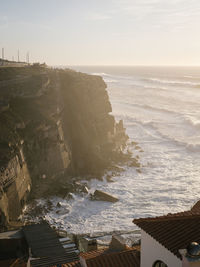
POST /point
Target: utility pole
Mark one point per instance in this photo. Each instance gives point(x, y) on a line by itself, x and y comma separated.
point(3, 53)
point(18, 54)
point(27, 57)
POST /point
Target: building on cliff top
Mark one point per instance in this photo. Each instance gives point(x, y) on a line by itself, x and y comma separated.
point(171, 240)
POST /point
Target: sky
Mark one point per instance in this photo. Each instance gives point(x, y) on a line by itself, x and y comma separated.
point(102, 32)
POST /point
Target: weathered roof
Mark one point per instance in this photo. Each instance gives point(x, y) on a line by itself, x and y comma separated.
point(173, 231)
point(85, 255)
point(108, 258)
point(72, 264)
point(42, 240)
point(46, 247)
point(93, 253)
point(196, 207)
point(54, 261)
point(16, 234)
point(124, 258)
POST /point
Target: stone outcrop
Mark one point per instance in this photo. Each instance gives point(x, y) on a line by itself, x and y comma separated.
point(102, 196)
point(54, 124)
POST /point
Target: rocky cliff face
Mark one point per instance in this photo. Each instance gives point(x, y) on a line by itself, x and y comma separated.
point(91, 131)
point(54, 124)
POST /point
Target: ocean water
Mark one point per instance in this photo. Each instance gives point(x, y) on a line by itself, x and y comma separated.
point(160, 107)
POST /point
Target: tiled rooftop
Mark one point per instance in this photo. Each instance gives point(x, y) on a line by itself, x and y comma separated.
point(93, 254)
point(174, 231)
point(124, 258)
point(72, 264)
point(196, 207)
point(107, 258)
point(46, 247)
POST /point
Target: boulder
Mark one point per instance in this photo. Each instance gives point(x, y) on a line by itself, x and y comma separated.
point(109, 179)
point(134, 163)
point(81, 188)
point(102, 196)
point(58, 205)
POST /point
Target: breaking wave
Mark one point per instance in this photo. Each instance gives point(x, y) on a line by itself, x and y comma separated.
point(166, 126)
point(174, 82)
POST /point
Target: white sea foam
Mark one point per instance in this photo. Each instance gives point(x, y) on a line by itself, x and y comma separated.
point(174, 82)
point(193, 122)
point(100, 74)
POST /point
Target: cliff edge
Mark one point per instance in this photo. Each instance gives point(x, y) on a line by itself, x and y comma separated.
point(55, 124)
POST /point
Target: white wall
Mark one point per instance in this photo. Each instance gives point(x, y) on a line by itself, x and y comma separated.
point(151, 251)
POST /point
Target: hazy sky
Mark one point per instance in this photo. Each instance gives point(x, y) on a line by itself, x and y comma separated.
point(102, 32)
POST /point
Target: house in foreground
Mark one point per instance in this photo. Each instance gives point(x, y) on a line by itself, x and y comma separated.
point(171, 240)
point(118, 254)
point(38, 245)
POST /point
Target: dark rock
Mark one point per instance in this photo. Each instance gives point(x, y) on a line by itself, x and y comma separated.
point(68, 196)
point(58, 205)
point(102, 196)
point(62, 212)
point(81, 188)
point(49, 204)
point(134, 143)
point(137, 147)
point(109, 179)
point(134, 163)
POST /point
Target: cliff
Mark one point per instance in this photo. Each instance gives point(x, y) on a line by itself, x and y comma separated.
point(55, 124)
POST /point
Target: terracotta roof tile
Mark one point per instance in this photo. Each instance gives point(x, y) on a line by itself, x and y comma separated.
point(196, 207)
point(72, 264)
point(93, 254)
point(173, 231)
point(108, 258)
point(126, 258)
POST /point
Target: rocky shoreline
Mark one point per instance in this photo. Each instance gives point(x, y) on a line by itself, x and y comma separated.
point(56, 130)
point(37, 209)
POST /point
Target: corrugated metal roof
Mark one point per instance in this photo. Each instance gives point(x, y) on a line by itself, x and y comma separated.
point(16, 234)
point(53, 261)
point(42, 240)
point(45, 246)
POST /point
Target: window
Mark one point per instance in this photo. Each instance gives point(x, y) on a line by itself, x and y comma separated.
point(159, 264)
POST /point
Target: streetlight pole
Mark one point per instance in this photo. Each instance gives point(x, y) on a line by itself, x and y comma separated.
point(3, 53)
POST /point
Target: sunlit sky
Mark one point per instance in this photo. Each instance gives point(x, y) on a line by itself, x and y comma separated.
point(102, 32)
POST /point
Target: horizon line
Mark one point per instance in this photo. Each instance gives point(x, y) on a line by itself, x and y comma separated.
point(142, 65)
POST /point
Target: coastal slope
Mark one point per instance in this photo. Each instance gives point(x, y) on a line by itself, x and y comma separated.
point(55, 124)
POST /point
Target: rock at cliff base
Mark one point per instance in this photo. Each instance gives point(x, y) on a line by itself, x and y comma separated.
point(102, 196)
point(134, 163)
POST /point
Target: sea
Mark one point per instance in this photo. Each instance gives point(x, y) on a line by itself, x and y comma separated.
point(160, 108)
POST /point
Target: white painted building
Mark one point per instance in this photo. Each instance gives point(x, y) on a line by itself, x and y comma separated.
point(152, 252)
point(171, 240)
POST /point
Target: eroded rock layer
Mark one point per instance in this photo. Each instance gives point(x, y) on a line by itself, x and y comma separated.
point(54, 124)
